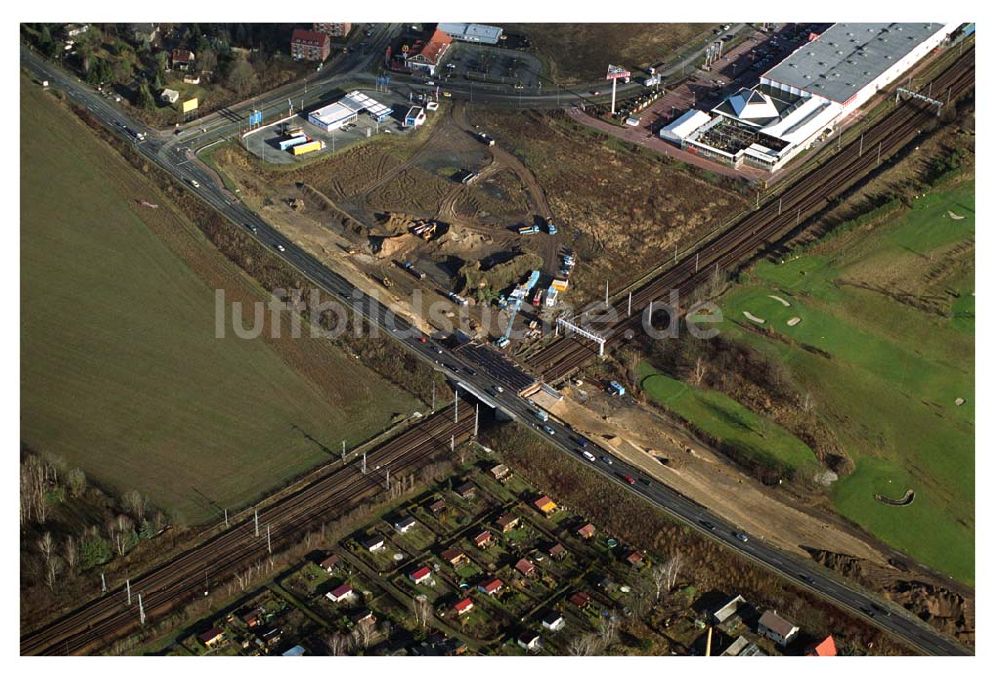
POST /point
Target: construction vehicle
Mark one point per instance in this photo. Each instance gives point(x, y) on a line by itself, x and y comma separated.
point(411, 269)
point(617, 389)
point(486, 138)
point(458, 299)
point(424, 229)
point(517, 297)
point(551, 227)
point(537, 298)
point(528, 230)
point(560, 285)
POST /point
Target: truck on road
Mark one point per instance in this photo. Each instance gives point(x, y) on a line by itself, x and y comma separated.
point(412, 270)
point(528, 230)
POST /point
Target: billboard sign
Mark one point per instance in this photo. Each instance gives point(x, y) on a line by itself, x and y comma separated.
point(615, 72)
point(189, 105)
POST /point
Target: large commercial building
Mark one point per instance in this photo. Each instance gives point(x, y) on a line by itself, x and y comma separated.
point(334, 30)
point(488, 35)
point(310, 45)
point(337, 114)
point(806, 95)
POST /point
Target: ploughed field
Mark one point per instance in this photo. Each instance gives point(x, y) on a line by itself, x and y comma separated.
point(121, 371)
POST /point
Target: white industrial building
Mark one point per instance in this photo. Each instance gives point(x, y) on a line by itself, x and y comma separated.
point(337, 114)
point(807, 94)
point(488, 35)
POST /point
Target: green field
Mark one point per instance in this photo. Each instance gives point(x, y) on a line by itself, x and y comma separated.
point(733, 425)
point(885, 346)
point(121, 373)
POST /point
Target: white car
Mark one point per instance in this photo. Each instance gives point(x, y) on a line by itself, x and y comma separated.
point(429, 83)
point(280, 247)
point(446, 94)
point(432, 105)
point(195, 184)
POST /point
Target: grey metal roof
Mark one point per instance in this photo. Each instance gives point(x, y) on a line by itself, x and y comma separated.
point(472, 32)
point(848, 56)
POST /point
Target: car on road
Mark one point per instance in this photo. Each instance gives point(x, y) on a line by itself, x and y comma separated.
point(607, 460)
point(429, 83)
point(708, 525)
point(195, 184)
point(252, 228)
point(646, 481)
point(497, 390)
point(595, 93)
point(469, 370)
point(742, 536)
point(629, 479)
point(808, 579)
point(549, 430)
point(280, 247)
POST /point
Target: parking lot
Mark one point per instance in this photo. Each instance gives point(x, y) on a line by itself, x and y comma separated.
point(484, 63)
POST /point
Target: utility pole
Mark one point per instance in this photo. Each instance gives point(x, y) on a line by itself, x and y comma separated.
point(758, 200)
point(225, 516)
point(256, 523)
point(364, 463)
point(269, 539)
point(798, 216)
point(456, 405)
point(696, 255)
point(607, 290)
point(675, 253)
point(128, 591)
point(387, 478)
point(862, 144)
point(343, 451)
point(104, 585)
point(628, 313)
point(780, 199)
point(878, 157)
point(142, 611)
point(475, 425)
point(433, 395)
point(650, 313)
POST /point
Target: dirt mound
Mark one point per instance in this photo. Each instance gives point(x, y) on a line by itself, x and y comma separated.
point(393, 223)
point(945, 609)
point(392, 246)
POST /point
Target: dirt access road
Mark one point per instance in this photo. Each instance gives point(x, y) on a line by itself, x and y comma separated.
point(643, 438)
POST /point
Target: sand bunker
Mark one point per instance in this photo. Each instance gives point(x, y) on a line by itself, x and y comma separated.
point(779, 300)
point(793, 321)
point(753, 318)
point(955, 217)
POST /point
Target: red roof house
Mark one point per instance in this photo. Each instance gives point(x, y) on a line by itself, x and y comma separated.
point(421, 575)
point(825, 648)
point(587, 531)
point(525, 567)
point(464, 606)
point(341, 593)
point(483, 540)
point(491, 587)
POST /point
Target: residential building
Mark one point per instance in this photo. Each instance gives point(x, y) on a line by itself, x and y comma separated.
point(553, 621)
point(310, 45)
point(454, 557)
point(329, 563)
point(508, 522)
point(545, 505)
point(169, 96)
point(438, 506)
point(776, 628)
point(634, 558)
point(529, 640)
point(525, 567)
point(580, 599)
point(557, 551)
point(374, 544)
point(483, 539)
point(421, 575)
point(212, 637)
point(491, 586)
point(826, 647)
point(146, 32)
point(466, 490)
point(500, 472)
point(342, 593)
point(587, 531)
point(414, 118)
point(727, 610)
point(334, 30)
point(404, 524)
point(181, 59)
point(464, 606)
point(742, 646)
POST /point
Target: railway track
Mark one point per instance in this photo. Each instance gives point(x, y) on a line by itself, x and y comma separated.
point(207, 566)
point(777, 217)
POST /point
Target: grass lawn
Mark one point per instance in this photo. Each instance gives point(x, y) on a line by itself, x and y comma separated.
point(121, 373)
point(888, 381)
point(728, 421)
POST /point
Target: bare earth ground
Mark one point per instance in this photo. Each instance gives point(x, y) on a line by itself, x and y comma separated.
point(641, 437)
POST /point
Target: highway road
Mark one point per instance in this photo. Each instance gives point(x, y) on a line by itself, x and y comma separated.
point(795, 568)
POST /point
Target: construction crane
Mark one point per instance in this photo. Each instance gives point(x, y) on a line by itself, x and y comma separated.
point(520, 293)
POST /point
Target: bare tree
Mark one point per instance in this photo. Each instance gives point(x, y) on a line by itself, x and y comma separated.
point(339, 643)
point(119, 530)
point(77, 482)
point(421, 611)
point(135, 504)
point(674, 566)
point(584, 645)
point(659, 577)
point(70, 553)
point(698, 371)
point(365, 634)
point(46, 544)
point(609, 631)
point(53, 567)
